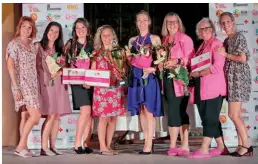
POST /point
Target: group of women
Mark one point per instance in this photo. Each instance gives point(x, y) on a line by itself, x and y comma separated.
point(37, 96)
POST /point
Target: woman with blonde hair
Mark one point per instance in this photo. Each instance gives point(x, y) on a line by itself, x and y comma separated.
point(108, 103)
point(181, 48)
point(238, 78)
point(21, 64)
point(144, 96)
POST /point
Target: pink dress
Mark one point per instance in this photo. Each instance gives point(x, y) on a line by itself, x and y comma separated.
point(26, 73)
point(53, 99)
point(107, 102)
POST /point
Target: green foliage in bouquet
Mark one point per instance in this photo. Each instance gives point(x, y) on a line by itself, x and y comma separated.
point(180, 73)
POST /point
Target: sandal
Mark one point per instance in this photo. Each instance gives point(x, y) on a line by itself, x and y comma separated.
point(88, 150)
point(173, 151)
point(199, 155)
point(182, 152)
point(47, 152)
point(217, 152)
point(107, 153)
point(54, 150)
point(23, 153)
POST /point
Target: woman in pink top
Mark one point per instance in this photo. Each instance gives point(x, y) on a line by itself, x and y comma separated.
point(54, 99)
point(181, 48)
point(209, 91)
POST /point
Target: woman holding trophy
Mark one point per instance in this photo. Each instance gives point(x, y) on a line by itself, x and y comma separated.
point(108, 103)
point(54, 98)
point(77, 50)
point(144, 96)
point(179, 48)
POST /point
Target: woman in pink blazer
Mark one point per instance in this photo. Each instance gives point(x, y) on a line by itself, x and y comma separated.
point(209, 91)
point(180, 49)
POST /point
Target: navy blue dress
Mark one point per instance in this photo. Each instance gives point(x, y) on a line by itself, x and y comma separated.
point(149, 95)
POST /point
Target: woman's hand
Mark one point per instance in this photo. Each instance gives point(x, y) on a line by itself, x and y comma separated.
point(171, 63)
point(86, 86)
point(195, 74)
point(147, 71)
point(18, 95)
point(221, 51)
point(160, 66)
point(58, 73)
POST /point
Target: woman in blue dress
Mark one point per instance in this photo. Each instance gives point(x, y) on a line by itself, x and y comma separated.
point(144, 95)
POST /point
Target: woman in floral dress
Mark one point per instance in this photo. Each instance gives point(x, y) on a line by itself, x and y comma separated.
point(108, 103)
point(239, 78)
point(21, 65)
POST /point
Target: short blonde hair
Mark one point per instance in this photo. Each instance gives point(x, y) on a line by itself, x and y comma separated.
point(164, 31)
point(98, 44)
point(207, 20)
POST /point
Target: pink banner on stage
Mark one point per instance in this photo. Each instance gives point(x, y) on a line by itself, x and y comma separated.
point(198, 65)
point(96, 79)
point(73, 77)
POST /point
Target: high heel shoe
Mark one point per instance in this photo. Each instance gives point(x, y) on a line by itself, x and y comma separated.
point(249, 152)
point(148, 153)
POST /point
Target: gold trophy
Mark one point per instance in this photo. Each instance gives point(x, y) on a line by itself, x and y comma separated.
point(118, 59)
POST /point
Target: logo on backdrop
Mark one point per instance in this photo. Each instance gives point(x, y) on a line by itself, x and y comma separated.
point(219, 12)
point(256, 80)
point(33, 8)
point(49, 8)
point(34, 16)
point(255, 12)
point(220, 6)
point(50, 17)
point(70, 16)
point(240, 4)
point(72, 6)
point(256, 108)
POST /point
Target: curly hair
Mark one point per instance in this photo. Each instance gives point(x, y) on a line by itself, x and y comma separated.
point(98, 44)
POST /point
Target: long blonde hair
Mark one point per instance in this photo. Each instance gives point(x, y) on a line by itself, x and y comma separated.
point(164, 31)
point(98, 44)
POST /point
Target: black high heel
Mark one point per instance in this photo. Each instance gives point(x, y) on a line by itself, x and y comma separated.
point(234, 153)
point(80, 150)
point(148, 153)
point(249, 152)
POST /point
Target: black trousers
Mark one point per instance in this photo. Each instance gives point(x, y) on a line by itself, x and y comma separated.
point(209, 111)
point(177, 106)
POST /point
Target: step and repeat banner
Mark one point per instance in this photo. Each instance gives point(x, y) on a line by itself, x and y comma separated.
point(247, 22)
point(65, 14)
point(246, 15)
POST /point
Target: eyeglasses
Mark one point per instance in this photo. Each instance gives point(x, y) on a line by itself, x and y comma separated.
point(172, 22)
point(204, 29)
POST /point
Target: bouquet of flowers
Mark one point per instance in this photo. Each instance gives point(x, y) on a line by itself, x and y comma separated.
point(145, 50)
point(82, 60)
point(54, 64)
point(180, 73)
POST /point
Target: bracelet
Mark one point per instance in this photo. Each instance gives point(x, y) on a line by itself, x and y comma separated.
point(16, 89)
